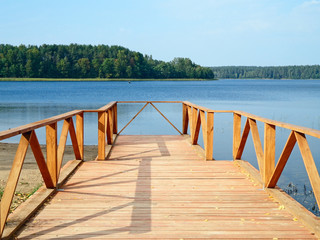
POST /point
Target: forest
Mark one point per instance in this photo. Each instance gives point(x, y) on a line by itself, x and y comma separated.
point(87, 61)
point(281, 72)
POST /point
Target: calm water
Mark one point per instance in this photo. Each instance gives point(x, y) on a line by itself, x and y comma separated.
point(291, 101)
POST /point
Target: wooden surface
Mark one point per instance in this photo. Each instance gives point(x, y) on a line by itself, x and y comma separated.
point(158, 187)
point(32, 126)
point(34, 202)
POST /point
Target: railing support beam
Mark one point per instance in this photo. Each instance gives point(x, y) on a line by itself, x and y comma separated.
point(52, 146)
point(209, 136)
point(101, 135)
point(185, 119)
point(80, 133)
point(269, 152)
point(236, 133)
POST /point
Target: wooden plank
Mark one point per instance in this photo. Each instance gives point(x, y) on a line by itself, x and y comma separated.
point(308, 131)
point(206, 109)
point(27, 209)
point(80, 133)
point(236, 133)
point(51, 140)
point(309, 164)
point(256, 143)
point(13, 179)
point(74, 140)
point(101, 135)
point(115, 119)
point(38, 155)
point(243, 140)
point(203, 126)
point(185, 119)
point(108, 106)
point(286, 152)
point(32, 126)
point(269, 152)
point(157, 197)
point(149, 101)
point(189, 109)
point(193, 119)
point(109, 126)
point(62, 144)
point(197, 130)
point(209, 136)
point(295, 208)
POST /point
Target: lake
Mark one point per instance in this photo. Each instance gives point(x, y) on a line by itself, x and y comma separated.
point(291, 101)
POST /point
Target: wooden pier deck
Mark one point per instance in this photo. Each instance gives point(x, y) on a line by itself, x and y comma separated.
point(159, 187)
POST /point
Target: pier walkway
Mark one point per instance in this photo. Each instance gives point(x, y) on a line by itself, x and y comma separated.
point(159, 187)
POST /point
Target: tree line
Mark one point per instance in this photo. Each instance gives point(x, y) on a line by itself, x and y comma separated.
point(281, 72)
point(87, 61)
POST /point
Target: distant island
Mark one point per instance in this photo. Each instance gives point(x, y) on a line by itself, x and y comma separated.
point(281, 72)
point(104, 62)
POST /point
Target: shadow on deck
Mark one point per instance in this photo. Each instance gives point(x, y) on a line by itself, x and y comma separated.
point(160, 187)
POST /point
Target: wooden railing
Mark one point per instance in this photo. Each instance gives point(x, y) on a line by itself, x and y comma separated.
point(193, 117)
point(197, 116)
point(49, 168)
point(107, 127)
point(270, 173)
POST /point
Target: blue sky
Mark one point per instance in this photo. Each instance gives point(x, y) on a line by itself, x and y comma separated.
point(209, 32)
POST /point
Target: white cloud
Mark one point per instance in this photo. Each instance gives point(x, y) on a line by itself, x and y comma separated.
point(311, 3)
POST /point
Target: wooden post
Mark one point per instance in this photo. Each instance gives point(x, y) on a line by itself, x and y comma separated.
point(52, 163)
point(80, 133)
point(204, 127)
point(197, 129)
point(115, 119)
point(194, 114)
point(185, 119)
point(189, 112)
point(109, 126)
point(101, 135)
point(236, 133)
point(269, 152)
point(209, 145)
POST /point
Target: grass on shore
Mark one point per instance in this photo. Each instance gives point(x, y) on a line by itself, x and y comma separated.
point(96, 79)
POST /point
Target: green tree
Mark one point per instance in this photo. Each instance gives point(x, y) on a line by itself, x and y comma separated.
point(84, 66)
point(107, 69)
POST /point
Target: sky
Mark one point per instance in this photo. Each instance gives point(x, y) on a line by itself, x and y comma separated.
point(209, 32)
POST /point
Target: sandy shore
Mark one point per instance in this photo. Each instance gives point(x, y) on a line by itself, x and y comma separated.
point(30, 178)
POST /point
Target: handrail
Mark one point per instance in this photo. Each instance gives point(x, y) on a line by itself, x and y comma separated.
point(149, 101)
point(305, 130)
point(50, 167)
point(193, 117)
point(205, 109)
point(32, 126)
point(270, 173)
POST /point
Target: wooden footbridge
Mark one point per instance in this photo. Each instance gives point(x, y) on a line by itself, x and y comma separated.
point(158, 187)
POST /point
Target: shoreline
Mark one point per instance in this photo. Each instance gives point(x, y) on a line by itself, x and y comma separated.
point(135, 79)
point(98, 79)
